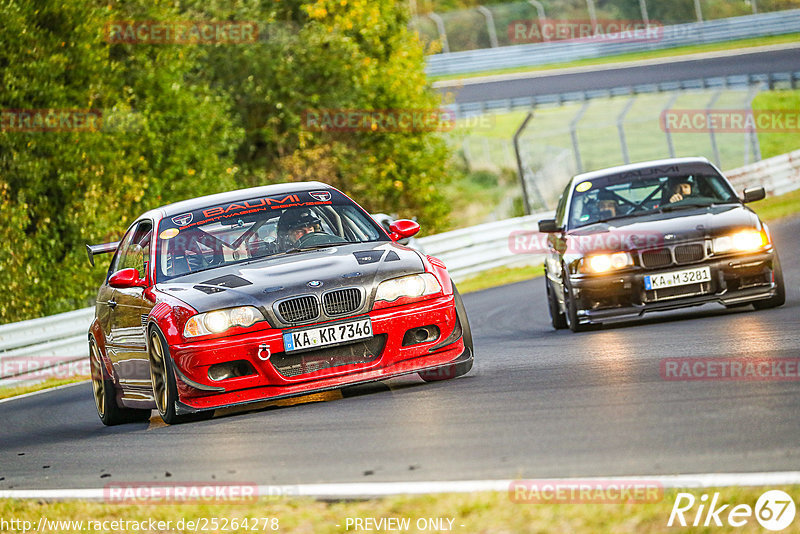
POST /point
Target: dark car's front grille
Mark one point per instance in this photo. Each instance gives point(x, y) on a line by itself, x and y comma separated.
point(361, 352)
point(341, 301)
point(659, 257)
point(299, 309)
point(689, 253)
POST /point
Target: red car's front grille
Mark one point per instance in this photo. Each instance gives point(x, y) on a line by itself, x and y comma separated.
point(361, 352)
point(341, 301)
point(299, 310)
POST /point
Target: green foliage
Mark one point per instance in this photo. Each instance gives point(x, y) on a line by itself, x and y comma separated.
point(335, 55)
point(181, 121)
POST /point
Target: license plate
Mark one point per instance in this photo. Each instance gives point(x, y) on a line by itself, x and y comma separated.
point(677, 278)
point(322, 336)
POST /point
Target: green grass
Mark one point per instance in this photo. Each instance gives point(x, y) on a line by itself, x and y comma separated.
point(653, 54)
point(471, 513)
point(499, 277)
point(6, 392)
point(775, 143)
point(774, 208)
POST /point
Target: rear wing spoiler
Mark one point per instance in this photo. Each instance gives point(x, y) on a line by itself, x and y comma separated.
point(103, 248)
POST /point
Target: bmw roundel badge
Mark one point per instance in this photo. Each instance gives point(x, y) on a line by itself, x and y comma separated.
point(315, 283)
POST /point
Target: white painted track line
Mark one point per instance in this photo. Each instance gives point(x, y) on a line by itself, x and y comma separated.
point(381, 489)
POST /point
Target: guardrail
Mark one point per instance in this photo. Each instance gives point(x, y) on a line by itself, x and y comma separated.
point(532, 54)
point(466, 252)
point(770, 80)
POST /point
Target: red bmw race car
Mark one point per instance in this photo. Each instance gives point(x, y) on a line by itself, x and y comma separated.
point(261, 294)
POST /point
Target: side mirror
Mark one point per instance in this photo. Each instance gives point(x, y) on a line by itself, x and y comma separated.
point(548, 226)
point(402, 229)
point(751, 194)
point(126, 278)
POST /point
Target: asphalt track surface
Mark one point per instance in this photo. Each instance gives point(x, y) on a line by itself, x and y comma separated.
point(600, 77)
point(538, 403)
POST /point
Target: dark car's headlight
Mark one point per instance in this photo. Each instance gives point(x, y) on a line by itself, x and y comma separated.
point(603, 263)
point(742, 241)
point(415, 285)
point(217, 321)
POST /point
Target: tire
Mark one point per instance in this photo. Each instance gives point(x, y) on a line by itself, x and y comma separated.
point(571, 316)
point(105, 395)
point(780, 294)
point(557, 318)
point(457, 369)
point(162, 378)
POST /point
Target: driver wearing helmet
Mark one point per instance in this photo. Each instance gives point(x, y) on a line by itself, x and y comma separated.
point(294, 224)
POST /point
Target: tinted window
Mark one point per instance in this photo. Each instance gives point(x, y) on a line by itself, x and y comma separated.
point(610, 198)
point(259, 228)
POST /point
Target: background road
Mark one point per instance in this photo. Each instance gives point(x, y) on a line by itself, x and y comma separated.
point(600, 77)
point(539, 403)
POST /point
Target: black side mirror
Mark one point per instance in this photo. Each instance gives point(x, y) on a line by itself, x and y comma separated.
point(751, 194)
point(548, 226)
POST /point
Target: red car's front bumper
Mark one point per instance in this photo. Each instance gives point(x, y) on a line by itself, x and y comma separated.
point(197, 391)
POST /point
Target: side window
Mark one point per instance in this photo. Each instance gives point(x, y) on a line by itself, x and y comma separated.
point(134, 250)
point(562, 205)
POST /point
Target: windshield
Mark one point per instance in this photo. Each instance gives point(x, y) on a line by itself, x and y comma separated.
point(258, 228)
point(613, 197)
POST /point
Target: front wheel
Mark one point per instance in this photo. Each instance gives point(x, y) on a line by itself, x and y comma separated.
point(557, 318)
point(457, 369)
point(571, 315)
point(780, 290)
point(162, 377)
point(105, 395)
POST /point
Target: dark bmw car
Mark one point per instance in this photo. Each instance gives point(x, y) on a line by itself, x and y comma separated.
point(262, 294)
point(656, 236)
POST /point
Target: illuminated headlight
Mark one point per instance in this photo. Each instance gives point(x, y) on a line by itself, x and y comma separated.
point(744, 241)
point(415, 285)
point(601, 263)
point(217, 321)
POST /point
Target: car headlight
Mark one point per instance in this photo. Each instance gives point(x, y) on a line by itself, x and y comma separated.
point(743, 241)
point(602, 263)
point(217, 321)
point(415, 285)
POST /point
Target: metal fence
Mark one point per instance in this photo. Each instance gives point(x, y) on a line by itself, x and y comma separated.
point(575, 132)
point(532, 54)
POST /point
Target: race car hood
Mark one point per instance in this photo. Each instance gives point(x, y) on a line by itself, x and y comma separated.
point(262, 282)
point(657, 229)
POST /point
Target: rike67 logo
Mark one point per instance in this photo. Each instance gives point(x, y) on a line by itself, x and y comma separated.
point(774, 510)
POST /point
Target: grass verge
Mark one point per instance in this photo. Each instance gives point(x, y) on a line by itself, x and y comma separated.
point(468, 513)
point(499, 276)
point(6, 392)
point(774, 208)
point(635, 56)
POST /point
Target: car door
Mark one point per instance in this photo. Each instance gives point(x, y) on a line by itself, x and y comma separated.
point(128, 349)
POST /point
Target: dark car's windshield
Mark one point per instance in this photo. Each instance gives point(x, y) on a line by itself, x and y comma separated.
point(258, 228)
point(610, 198)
